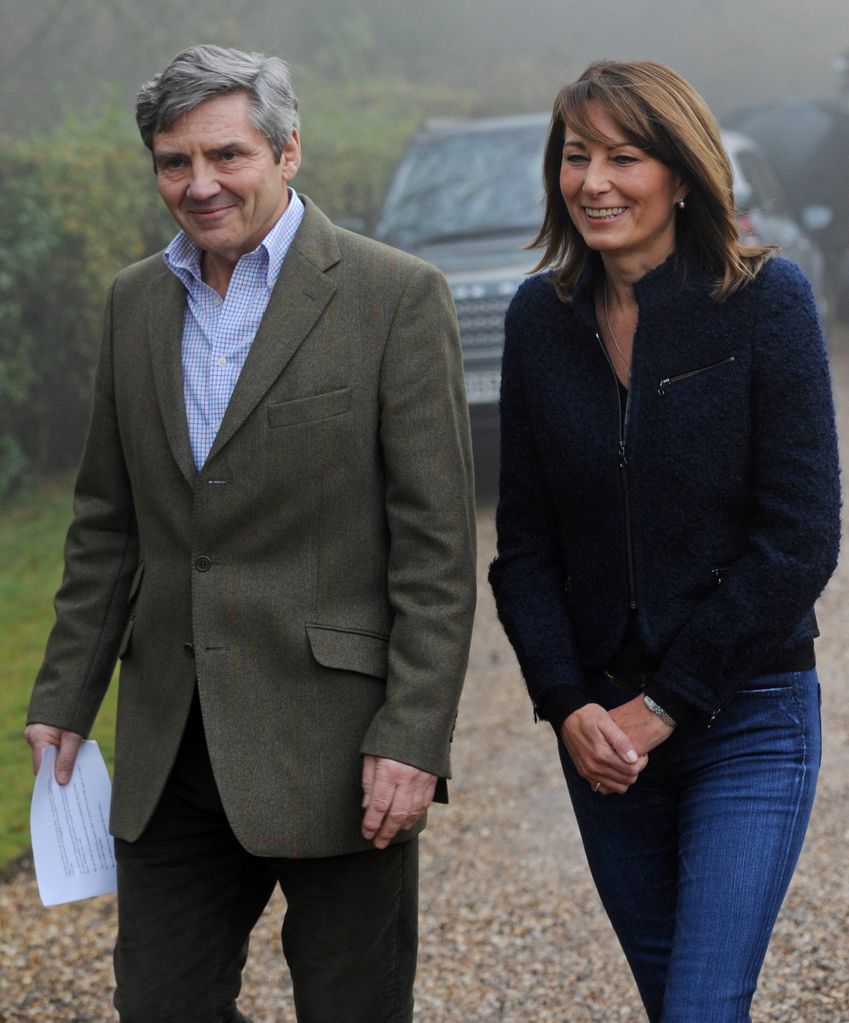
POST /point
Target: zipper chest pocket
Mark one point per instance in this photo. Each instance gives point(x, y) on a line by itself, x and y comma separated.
point(720, 574)
point(667, 382)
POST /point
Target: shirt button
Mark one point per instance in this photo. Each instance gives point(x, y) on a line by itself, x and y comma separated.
point(203, 564)
point(222, 361)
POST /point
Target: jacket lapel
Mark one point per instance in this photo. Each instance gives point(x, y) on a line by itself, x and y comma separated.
point(299, 297)
point(167, 309)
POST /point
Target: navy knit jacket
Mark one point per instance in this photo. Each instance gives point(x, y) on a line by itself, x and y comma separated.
point(728, 484)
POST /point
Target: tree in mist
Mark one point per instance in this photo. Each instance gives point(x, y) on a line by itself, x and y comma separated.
point(75, 206)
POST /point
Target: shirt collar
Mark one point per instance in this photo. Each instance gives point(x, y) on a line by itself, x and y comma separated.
point(182, 257)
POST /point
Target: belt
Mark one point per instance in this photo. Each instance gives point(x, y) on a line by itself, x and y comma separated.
point(633, 681)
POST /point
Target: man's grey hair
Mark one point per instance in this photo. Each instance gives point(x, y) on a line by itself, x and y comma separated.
point(204, 72)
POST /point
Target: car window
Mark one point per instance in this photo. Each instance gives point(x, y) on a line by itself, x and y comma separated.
point(764, 192)
point(469, 184)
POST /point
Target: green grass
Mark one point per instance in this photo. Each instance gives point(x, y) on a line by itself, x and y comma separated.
point(32, 532)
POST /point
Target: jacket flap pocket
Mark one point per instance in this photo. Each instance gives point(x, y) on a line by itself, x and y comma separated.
point(351, 651)
point(317, 406)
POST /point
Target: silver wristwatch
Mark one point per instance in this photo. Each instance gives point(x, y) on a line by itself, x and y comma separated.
point(655, 708)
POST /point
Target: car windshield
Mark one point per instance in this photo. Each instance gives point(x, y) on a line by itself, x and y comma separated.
point(464, 186)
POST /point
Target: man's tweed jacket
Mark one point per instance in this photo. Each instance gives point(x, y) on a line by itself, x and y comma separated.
point(315, 578)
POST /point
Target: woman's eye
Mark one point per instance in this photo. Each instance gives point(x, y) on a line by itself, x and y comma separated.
point(624, 160)
point(574, 159)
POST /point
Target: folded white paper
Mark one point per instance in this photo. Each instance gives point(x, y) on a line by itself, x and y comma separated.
point(72, 849)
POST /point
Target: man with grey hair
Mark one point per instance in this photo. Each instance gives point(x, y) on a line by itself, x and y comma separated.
point(274, 533)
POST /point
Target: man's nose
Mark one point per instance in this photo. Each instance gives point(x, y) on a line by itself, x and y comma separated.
point(202, 182)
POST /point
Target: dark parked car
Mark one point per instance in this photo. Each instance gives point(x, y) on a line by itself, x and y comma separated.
point(764, 212)
point(807, 144)
point(467, 196)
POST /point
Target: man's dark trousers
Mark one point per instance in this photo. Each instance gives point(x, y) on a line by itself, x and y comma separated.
point(189, 895)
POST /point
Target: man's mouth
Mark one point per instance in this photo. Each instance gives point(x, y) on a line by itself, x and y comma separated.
point(208, 211)
point(608, 213)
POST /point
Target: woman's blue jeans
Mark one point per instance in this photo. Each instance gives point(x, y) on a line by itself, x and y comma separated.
point(693, 862)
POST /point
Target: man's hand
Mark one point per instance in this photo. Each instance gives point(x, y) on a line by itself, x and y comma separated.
point(40, 736)
point(601, 750)
point(395, 797)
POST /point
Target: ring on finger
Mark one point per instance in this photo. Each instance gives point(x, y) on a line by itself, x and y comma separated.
point(597, 786)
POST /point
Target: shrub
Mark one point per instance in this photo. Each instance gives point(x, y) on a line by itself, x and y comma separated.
point(75, 205)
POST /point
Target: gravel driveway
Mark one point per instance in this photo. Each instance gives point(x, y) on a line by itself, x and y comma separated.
point(511, 928)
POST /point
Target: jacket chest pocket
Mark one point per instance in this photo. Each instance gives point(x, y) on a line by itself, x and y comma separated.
point(680, 378)
point(311, 435)
point(313, 408)
point(700, 429)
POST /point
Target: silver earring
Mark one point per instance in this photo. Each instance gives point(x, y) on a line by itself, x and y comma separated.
point(681, 205)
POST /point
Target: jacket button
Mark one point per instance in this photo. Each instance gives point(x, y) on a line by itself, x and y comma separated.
point(203, 564)
point(188, 650)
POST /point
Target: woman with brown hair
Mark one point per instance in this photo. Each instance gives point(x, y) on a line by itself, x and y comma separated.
point(668, 514)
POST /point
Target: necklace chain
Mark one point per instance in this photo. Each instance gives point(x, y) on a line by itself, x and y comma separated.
point(624, 357)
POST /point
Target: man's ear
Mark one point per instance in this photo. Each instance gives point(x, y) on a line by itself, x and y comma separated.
point(290, 158)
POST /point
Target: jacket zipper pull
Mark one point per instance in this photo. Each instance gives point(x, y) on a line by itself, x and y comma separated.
point(623, 461)
point(716, 712)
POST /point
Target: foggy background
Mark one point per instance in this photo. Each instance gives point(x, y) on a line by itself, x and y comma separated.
point(60, 55)
point(77, 196)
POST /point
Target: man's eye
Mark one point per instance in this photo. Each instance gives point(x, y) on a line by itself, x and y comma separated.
point(228, 156)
